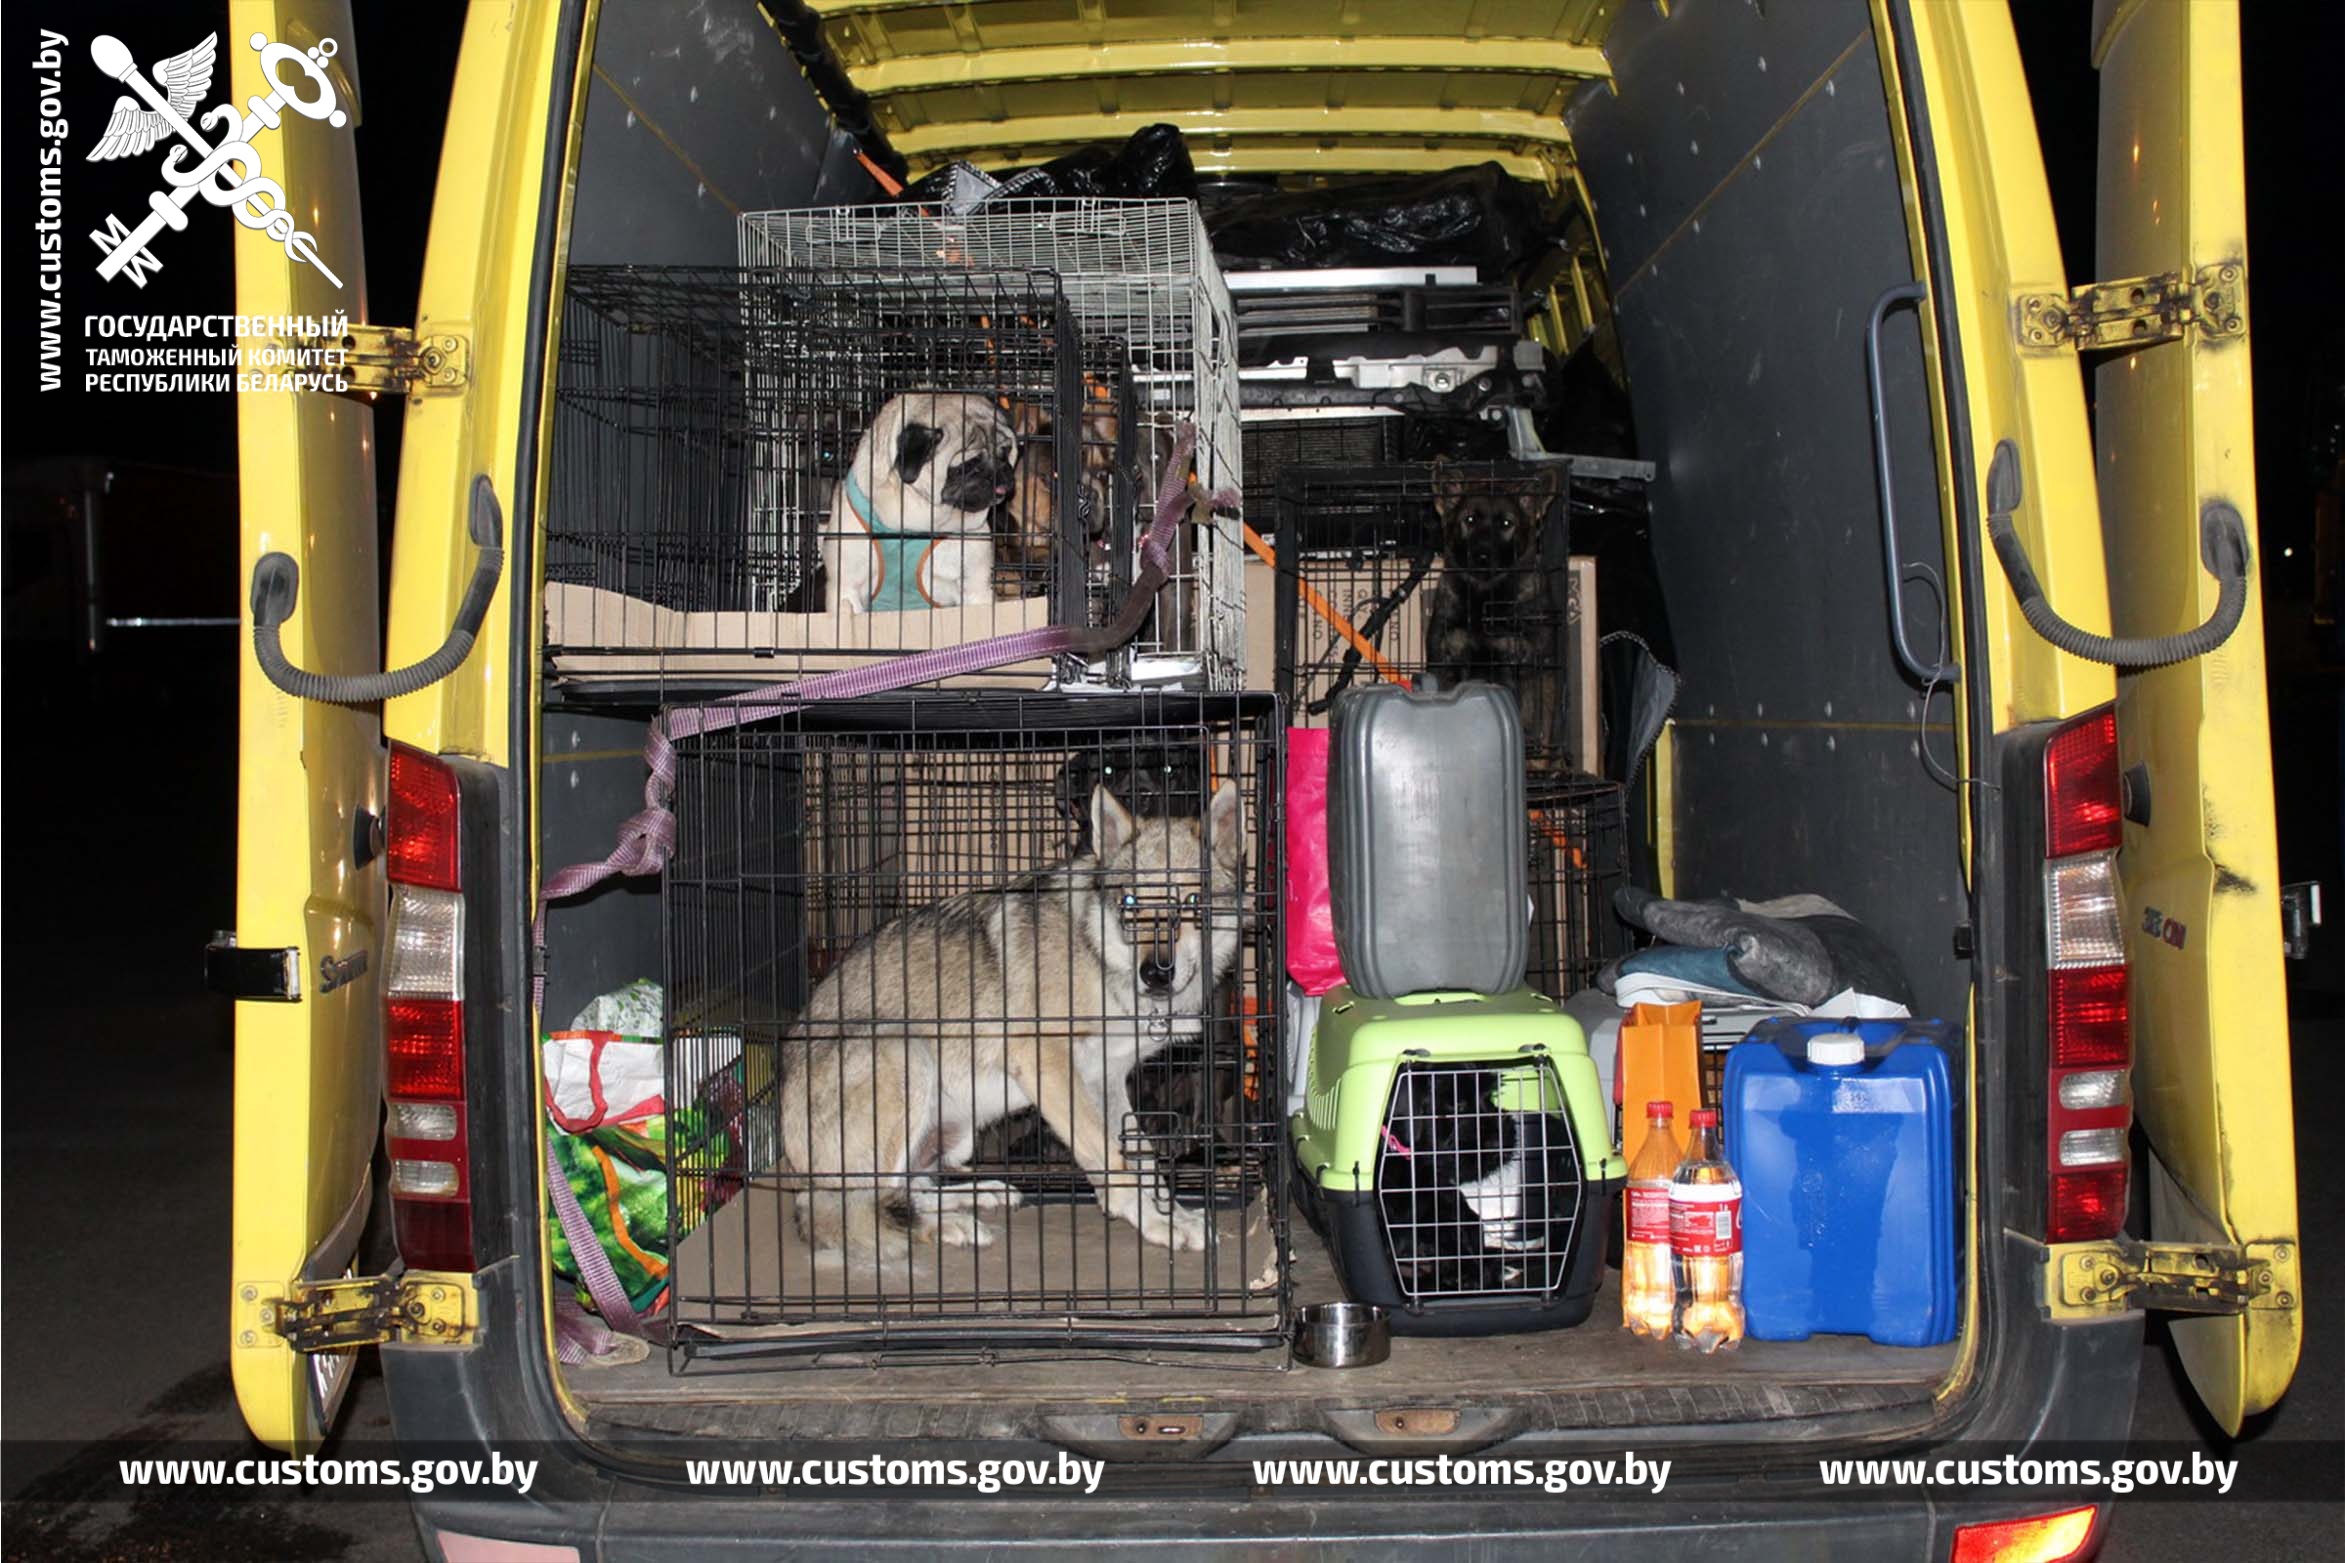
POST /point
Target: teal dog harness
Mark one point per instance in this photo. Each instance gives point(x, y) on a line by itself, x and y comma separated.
point(901, 557)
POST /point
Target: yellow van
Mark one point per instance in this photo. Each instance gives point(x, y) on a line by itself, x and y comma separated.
point(1822, 243)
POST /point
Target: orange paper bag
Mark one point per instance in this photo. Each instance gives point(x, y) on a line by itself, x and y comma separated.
point(1660, 1060)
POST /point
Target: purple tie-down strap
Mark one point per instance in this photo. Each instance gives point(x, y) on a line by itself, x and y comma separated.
point(586, 1251)
point(579, 1337)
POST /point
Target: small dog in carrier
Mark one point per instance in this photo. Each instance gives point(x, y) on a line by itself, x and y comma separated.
point(1470, 1194)
point(911, 521)
point(1043, 993)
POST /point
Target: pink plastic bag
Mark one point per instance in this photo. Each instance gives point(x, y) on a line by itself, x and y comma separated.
point(1310, 941)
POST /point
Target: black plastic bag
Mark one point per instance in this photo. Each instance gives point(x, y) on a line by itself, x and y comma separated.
point(1476, 216)
point(1152, 161)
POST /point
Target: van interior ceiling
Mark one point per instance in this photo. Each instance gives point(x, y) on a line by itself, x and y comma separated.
point(1685, 227)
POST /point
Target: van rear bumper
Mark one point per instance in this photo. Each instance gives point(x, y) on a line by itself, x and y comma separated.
point(2043, 1383)
point(666, 1531)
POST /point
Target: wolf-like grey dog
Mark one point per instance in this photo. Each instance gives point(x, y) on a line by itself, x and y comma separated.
point(1042, 993)
point(910, 523)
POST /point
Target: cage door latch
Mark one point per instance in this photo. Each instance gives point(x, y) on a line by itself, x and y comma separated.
point(378, 361)
point(418, 1307)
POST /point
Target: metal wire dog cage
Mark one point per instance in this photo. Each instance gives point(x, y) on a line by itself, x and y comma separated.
point(1275, 443)
point(759, 475)
point(1154, 315)
point(977, 988)
point(1460, 571)
point(1579, 857)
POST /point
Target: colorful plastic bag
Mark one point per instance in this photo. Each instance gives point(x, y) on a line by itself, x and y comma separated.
point(1311, 957)
point(610, 1130)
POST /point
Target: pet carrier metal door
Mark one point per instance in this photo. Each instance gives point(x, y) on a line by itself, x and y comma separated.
point(1480, 1181)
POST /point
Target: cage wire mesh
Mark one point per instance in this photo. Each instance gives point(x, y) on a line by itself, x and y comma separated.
point(762, 475)
point(1458, 570)
point(1274, 443)
point(1479, 1180)
point(975, 990)
point(1579, 858)
point(1144, 293)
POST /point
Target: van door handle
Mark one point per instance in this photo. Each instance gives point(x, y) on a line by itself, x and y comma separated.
point(276, 586)
point(1920, 672)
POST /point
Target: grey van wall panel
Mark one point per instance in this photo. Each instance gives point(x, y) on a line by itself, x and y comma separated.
point(592, 779)
point(748, 133)
point(1743, 275)
point(1692, 94)
point(1765, 812)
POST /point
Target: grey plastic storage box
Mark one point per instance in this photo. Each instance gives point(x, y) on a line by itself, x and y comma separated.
point(1427, 842)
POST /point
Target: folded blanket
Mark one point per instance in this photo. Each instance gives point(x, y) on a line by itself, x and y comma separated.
point(1800, 950)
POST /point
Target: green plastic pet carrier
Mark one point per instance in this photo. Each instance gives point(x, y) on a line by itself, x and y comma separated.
point(1453, 1152)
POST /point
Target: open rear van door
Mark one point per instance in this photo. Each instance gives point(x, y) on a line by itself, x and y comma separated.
point(306, 962)
point(2200, 861)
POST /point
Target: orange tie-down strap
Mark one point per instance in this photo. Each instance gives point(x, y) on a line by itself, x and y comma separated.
point(1390, 674)
point(1326, 610)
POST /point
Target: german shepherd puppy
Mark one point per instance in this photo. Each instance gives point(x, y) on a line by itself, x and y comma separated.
point(1043, 993)
point(1493, 615)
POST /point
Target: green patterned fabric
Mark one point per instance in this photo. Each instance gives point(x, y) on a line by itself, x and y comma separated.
point(628, 1161)
point(631, 1159)
point(619, 1170)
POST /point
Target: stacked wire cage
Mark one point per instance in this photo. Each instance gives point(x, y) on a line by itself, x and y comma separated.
point(760, 475)
point(974, 992)
point(1453, 572)
point(1158, 349)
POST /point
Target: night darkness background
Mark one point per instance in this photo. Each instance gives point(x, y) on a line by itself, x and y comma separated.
point(120, 846)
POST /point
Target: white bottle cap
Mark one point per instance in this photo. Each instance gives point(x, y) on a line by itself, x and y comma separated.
point(1841, 1048)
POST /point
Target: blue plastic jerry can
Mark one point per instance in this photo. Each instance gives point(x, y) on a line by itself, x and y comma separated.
point(1843, 1134)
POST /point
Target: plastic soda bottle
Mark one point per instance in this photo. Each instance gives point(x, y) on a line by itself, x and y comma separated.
point(1648, 1287)
point(1705, 1240)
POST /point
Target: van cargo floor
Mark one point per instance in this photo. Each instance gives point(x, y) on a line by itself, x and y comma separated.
point(1594, 1376)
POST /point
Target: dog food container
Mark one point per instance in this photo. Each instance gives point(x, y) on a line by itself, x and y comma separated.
point(1453, 1153)
point(1428, 841)
point(1843, 1132)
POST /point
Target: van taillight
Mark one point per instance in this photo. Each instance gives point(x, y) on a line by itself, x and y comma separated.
point(2089, 1107)
point(421, 847)
point(2039, 1538)
point(423, 1017)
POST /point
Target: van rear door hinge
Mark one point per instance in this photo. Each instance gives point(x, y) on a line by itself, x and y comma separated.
point(419, 1307)
point(394, 360)
point(2137, 312)
point(2095, 1279)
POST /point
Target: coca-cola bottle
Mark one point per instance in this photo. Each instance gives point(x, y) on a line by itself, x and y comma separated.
point(1705, 1240)
point(1648, 1287)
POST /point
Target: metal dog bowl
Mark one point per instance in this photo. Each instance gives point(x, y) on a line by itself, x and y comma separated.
point(1341, 1335)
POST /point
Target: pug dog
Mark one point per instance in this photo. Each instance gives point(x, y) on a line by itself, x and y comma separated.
point(911, 521)
point(1493, 616)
